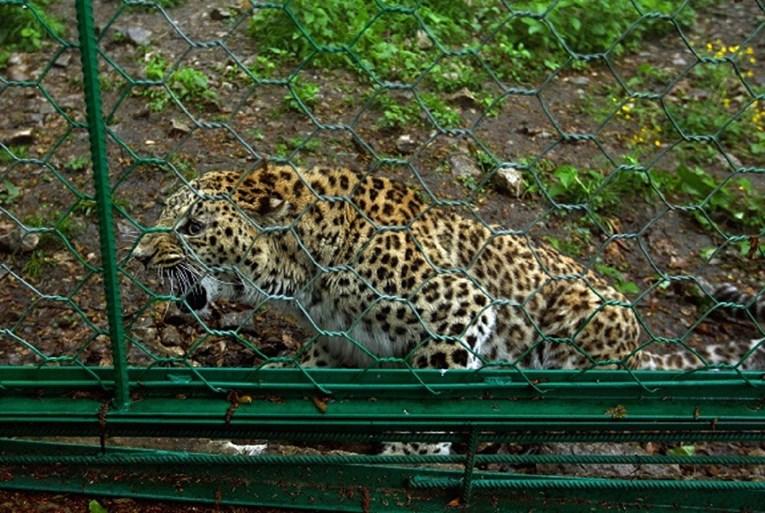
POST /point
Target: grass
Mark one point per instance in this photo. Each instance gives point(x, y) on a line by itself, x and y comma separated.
point(25, 29)
point(187, 83)
point(401, 46)
point(8, 192)
point(719, 205)
point(303, 92)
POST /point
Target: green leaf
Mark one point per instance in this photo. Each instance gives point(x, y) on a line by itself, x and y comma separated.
point(12, 192)
point(683, 450)
point(95, 507)
point(628, 287)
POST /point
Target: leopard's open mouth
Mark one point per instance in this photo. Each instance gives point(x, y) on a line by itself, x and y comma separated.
point(186, 285)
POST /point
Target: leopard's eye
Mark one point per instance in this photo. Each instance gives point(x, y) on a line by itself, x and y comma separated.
point(192, 228)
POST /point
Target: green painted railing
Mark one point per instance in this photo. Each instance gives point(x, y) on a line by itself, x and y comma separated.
point(88, 385)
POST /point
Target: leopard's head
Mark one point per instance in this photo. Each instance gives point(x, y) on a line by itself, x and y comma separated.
point(212, 238)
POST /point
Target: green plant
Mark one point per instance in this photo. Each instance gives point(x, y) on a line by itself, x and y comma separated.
point(10, 153)
point(8, 192)
point(397, 47)
point(306, 92)
point(621, 283)
point(188, 84)
point(395, 114)
point(183, 166)
point(24, 28)
point(735, 202)
point(35, 264)
point(444, 115)
point(94, 506)
point(66, 225)
point(78, 163)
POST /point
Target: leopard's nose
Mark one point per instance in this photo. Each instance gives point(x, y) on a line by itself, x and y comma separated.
point(143, 255)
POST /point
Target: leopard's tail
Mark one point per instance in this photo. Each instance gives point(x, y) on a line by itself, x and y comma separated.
point(740, 355)
point(733, 302)
point(727, 300)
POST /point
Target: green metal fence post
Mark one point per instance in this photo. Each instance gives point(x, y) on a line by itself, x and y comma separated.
point(96, 128)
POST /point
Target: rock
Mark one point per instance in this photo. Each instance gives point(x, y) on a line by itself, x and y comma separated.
point(580, 80)
point(509, 180)
point(139, 36)
point(17, 69)
point(463, 96)
point(462, 164)
point(423, 41)
point(220, 13)
point(405, 144)
point(678, 60)
point(171, 337)
point(179, 127)
point(22, 137)
point(731, 160)
point(63, 60)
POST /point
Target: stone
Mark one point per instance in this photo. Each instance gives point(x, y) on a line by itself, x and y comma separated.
point(63, 60)
point(463, 96)
point(220, 13)
point(422, 40)
point(22, 137)
point(509, 180)
point(179, 127)
point(462, 164)
point(580, 80)
point(138, 36)
point(405, 143)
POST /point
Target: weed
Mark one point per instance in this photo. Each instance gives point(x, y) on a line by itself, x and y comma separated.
point(168, 3)
point(85, 206)
point(183, 166)
point(78, 163)
point(471, 183)
point(187, 83)
point(9, 154)
point(66, 225)
point(8, 192)
point(445, 116)
point(35, 264)
point(306, 92)
point(396, 47)
point(617, 277)
point(735, 202)
point(23, 28)
point(395, 114)
point(576, 242)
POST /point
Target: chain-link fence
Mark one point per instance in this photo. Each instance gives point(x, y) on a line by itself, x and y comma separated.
point(521, 240)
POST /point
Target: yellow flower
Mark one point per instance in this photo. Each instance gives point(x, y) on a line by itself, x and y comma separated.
point(749, 50)
point(726, 102)
point(752, 60)
point(709, 47)
point(657, 143)
point(733, 49)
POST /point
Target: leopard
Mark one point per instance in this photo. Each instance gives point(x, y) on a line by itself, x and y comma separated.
point(388, 276)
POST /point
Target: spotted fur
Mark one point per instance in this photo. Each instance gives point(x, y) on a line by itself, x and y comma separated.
point(390, 276)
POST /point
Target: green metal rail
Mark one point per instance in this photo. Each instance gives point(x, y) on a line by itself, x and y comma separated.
point(337, 408)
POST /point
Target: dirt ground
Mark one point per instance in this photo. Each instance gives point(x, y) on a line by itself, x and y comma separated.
point(52, 298)
point(34, 502)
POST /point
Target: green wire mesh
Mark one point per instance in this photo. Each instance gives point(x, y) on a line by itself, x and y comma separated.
point(511, 113)
point(626, 134)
